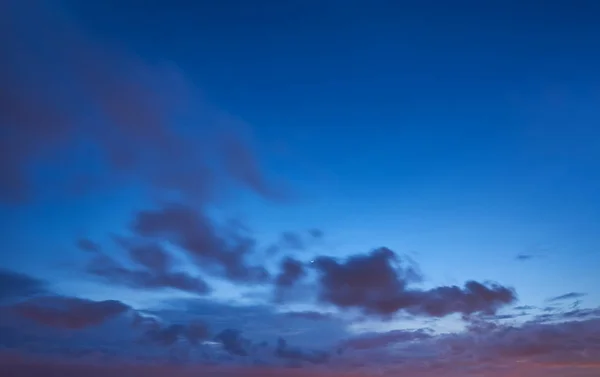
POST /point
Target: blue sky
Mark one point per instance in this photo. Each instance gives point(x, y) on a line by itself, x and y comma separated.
point(464, 137)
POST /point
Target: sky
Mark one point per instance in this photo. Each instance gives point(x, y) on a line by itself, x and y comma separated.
point(300, 188)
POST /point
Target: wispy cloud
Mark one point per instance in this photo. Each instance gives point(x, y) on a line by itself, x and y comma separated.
point(567, 296)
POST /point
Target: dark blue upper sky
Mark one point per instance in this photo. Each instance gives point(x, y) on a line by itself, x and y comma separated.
point(465, 134)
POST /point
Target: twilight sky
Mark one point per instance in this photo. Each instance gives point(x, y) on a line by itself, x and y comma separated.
point(300, 188)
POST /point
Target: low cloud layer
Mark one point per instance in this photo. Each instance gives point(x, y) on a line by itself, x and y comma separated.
point(199, 334)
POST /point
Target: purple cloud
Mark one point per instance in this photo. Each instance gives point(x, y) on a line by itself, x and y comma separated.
point(69, 312)
point(211, 248)
point(233, 342)
point(377, 284)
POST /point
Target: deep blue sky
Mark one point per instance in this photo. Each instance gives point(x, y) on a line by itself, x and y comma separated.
point(464, 134)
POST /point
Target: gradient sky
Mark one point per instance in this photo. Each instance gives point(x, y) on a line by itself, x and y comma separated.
point(307, 188)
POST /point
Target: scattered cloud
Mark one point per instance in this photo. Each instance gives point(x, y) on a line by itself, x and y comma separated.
point(72, 91)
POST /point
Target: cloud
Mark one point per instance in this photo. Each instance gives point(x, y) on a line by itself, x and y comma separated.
point(223, 252)
point(573, 312)
point(88, 245)
point(536, 350)
point(292, 241)
point(310, 315)
point(284, 351)
point(377, 284)
point(14, 285)
point(291, 272)
point(567, 296)
point(69, 312)
point(241, 163)
point(533, 348)
point(316, 233)
point(377, 340)
point(154, 269)
point(72, 90)
point(524, 257)
point(260, 322)
point(295, 241)
point(26, 366)
point(233, 342)
point(193, 332)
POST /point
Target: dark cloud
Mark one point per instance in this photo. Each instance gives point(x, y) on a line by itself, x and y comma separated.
point(291, 272)
point(215, 250)
point(151, 256)
point(153, 272)
point(377, 284)
point(233, 342)
point(284, 351)
point(567, 296)
point(165, 336)
point(69, 312)
point(475, 297)
point(193, 332)
point(14, 285)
